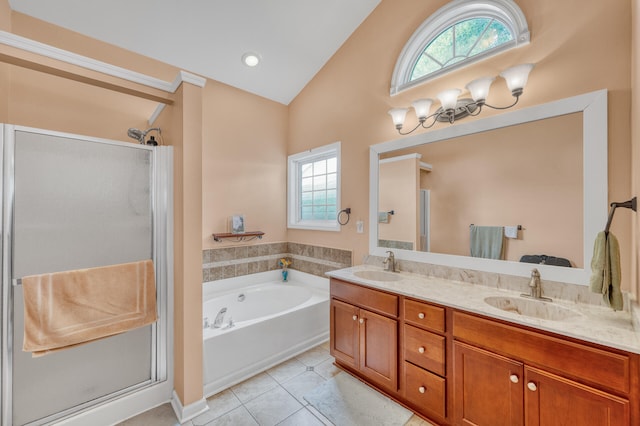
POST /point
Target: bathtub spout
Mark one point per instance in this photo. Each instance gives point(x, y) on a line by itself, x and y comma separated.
point(217, 323)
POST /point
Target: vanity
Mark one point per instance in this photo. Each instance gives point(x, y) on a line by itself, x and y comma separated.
point(442, 349)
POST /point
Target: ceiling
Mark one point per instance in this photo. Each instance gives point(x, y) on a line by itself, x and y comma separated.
point(295, 38)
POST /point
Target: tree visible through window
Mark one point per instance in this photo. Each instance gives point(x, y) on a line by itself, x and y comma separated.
point(459, 42)
point(457, 34)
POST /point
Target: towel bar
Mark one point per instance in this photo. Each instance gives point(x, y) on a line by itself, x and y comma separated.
point(520, 228)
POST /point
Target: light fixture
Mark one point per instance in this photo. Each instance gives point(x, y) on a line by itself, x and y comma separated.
point(251, 59)
point(452, 109)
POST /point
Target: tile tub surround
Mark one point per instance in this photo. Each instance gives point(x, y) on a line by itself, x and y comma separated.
point(595, 323)
point(234, 261)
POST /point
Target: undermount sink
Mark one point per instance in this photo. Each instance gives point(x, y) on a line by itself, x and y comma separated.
point(378, 275)
point(531, 308)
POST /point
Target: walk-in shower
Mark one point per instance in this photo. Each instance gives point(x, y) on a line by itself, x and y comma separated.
point(68, 203)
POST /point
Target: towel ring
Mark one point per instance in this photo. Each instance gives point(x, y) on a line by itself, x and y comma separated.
point(346, 211)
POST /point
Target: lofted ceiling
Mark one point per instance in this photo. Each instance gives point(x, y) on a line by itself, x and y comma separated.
point(294, 38)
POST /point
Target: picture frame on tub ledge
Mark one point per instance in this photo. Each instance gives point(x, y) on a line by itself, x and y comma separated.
point(237, 224)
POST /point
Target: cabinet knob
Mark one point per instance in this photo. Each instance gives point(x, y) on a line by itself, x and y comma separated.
point(421, 349)
point(422, 389)
point(514, 378)
point(532, 386)
point(355, 317)
point(421, 315)
point(361, 320)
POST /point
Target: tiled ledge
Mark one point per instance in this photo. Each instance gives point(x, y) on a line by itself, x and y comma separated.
point(230, 262)
point(553, 289)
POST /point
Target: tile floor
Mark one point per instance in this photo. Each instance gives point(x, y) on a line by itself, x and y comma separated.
point(274, 397)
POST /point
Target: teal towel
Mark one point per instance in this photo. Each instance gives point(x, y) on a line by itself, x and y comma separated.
point(606, 271)
point(487, 241)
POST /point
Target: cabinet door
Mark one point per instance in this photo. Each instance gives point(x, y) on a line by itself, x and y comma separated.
point(344, 332)
point(379, 349)
point(487, 388)
point(552, 400)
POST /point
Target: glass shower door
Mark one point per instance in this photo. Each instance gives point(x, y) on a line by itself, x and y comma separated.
point(77, 204)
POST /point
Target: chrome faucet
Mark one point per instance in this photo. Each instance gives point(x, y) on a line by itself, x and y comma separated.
point(217, 323)
point(390, 262)
point(206, 323)
point(535, 289)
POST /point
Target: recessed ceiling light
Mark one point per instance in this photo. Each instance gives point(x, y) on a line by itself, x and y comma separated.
point(251, 59)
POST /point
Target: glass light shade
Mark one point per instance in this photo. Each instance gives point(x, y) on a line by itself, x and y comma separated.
point(422, 107)
point(516, 77)
point(398, 115)
point(449, 98)
point(479, 88)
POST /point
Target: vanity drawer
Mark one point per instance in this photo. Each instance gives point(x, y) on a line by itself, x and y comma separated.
point(424, 315)
point(425, 390)
point(364, 297)
point(424, 349)
point(557, 354)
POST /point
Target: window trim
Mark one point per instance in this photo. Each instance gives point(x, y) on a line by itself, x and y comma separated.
point(505, 11)
point(293, 185)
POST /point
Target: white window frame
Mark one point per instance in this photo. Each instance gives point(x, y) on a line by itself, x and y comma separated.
point(293, 188)
point(505, 11)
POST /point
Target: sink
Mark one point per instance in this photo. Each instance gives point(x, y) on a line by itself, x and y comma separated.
point(378, 275)
point(531, 308)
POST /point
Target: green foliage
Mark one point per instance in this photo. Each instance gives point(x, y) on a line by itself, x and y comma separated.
point(459, 42)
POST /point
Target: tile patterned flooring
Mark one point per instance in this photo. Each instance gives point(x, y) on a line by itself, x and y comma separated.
point(274, 397)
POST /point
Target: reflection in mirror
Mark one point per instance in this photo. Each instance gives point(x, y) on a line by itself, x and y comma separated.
point(528, 174)
point(541, 167)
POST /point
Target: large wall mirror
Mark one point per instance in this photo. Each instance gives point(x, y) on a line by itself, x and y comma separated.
point(539, 172)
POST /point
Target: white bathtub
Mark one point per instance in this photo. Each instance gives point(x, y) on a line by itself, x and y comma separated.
point(274, 321)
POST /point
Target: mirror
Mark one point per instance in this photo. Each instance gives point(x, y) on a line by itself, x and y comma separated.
point(543, 168)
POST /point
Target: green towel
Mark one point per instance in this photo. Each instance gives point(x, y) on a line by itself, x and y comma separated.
point(487, 241)
point(605, 270)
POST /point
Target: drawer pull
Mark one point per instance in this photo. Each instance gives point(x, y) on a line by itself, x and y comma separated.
point(421, 349)
point(532, 386)
point(361, 320)
point(421, 315)
point(355, 317)
point(514, 378)
point(422, 389)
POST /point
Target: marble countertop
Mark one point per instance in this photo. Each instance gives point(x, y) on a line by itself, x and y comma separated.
point(596, 324)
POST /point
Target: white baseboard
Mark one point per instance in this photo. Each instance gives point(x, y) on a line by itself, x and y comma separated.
point(184, 414)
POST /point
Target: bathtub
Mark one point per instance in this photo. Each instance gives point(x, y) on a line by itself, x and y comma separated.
point(267, 321)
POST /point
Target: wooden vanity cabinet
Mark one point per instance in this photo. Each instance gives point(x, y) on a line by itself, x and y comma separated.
point(364, 332)
point(506, 375)
point(458, 368)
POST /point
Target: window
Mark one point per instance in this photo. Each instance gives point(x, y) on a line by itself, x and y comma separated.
point(314, 188)
point(458, 34)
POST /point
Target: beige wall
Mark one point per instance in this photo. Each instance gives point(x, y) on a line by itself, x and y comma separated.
point(244, 164)
point(400, 192)
point(529, 175)
point(635, 140)
point(349, 98)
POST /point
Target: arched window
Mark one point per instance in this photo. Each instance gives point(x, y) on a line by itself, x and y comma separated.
point(460, 33)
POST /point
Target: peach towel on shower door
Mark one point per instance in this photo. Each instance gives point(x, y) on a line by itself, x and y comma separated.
point(64, 309)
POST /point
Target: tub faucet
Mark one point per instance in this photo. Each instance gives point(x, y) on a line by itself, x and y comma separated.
point(390, 262)
point(217, 323)
point(534, 287)
point(206, 323)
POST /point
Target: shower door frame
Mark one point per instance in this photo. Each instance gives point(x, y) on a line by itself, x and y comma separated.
point(115, 406)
